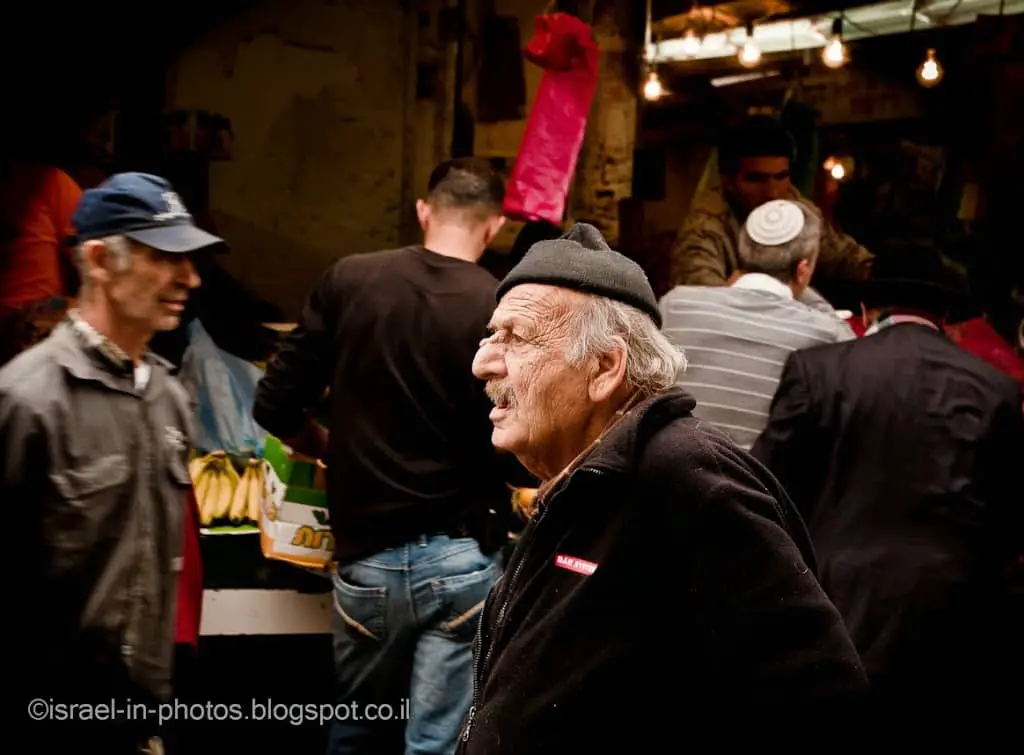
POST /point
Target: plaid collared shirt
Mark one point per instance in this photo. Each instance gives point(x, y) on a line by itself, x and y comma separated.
point(110, 351)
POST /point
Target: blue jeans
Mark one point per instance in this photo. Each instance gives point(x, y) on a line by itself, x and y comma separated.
point(404, 621)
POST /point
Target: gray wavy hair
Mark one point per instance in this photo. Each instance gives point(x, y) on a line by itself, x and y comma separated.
point(653, 363)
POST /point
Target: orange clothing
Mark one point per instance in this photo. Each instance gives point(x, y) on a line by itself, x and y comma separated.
point(36, 206)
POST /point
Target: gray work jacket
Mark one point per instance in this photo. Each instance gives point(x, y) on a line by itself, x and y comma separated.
point(93, 473)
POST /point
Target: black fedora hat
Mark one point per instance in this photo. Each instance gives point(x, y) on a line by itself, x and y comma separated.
point(910, 276)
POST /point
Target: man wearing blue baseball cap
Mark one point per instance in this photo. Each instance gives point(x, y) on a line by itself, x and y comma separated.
point(134, 243)
point(93, 469)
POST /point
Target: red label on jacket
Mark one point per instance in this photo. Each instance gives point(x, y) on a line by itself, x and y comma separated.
point(577, 565)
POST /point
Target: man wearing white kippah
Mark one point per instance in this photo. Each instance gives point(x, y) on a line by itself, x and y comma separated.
point(736, 338)
point(754, 161)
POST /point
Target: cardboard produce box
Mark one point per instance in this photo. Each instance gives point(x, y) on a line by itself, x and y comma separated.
point(294, 521)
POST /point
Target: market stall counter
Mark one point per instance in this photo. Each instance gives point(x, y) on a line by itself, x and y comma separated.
point(246, 593)
point(265, 541)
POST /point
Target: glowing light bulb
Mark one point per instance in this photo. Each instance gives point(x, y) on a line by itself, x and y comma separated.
point(750, 54)
point(838, 172)
point(652, 87)
point(834, 54)
point(691, 43)
point(930, 72)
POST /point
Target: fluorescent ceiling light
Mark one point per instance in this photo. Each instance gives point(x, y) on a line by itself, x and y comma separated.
point(741, 78)
point(858, 23)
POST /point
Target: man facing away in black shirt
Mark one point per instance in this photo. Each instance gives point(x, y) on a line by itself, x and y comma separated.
point(412, 477)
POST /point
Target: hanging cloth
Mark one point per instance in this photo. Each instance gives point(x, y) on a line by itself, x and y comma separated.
point(564, 47)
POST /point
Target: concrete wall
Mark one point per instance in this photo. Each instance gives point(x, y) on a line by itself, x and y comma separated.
point(685, 164)
point(604, 175)
point(330, 144)
point(502, 139)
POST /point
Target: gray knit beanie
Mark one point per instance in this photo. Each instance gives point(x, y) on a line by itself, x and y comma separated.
point(581, 260)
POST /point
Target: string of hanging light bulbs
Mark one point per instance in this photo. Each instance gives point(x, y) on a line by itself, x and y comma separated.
point(835, 53)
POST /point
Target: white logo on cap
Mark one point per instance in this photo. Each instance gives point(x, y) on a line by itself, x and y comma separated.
point(175, 208)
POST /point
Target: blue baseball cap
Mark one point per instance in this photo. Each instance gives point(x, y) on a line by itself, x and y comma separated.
point(142, 207)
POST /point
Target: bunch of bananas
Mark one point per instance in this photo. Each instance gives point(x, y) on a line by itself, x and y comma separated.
point(223, 494)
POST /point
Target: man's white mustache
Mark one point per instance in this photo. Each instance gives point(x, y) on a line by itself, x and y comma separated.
point(500, 393)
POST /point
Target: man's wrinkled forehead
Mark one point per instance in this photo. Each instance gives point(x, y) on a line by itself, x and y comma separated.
point(530, 305)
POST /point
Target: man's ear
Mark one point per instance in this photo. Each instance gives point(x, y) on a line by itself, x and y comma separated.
point(803, 273)
point(97, 261)
point(494, 226)
point(422, 213)
point(609, 374)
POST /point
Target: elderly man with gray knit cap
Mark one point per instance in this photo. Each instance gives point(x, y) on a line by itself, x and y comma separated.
point(664, 581)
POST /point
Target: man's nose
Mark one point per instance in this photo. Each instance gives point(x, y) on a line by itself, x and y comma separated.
point(188, 275)
point(488, 364)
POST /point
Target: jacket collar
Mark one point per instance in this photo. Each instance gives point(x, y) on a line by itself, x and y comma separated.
point(100, 344)
point(764, 283)
point(617, 452)
point(897, 319)
point(87, 357)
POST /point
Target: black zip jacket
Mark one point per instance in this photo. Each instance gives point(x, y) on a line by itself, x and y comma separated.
point(664, 585)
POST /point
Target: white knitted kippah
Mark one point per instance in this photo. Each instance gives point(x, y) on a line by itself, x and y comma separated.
point(775, 222)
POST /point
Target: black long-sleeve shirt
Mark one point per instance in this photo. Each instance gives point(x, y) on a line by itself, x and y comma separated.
point(393, 335)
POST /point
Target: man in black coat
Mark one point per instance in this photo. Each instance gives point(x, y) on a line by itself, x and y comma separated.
point(664, 585)
point(902, 452)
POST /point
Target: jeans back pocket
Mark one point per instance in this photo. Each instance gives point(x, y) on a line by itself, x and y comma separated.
point(362, 608)
point(461, 597)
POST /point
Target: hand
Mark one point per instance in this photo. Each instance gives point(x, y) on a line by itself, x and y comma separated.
point(311, 440)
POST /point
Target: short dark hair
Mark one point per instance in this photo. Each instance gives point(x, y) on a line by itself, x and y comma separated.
point(467, 184)
point(754, 136)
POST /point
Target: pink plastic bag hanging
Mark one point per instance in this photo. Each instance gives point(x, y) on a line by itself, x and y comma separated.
point(564, 47)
